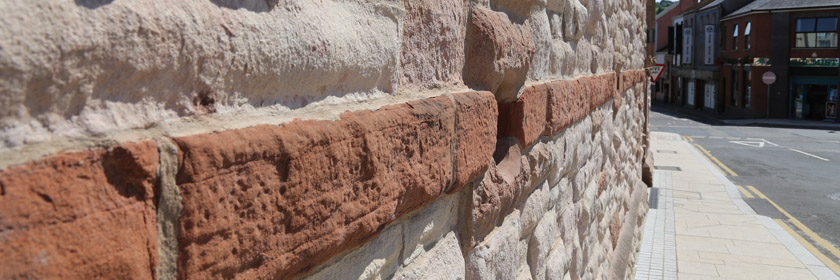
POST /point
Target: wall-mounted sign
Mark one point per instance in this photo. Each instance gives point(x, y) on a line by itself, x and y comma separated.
point(690, 97)
point(709, 95)
point(686, 55)
point(815, 62)
point(761, 61)
point(709, 54)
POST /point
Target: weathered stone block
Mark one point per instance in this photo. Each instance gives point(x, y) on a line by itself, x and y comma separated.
point(443, 261)
point(81, 68)
point(525, 117)
point(544, 239)
point(498, 54)
point(433, 37)
point(498, 256)
point(498, 192)
point(273, 201)
point(568, 102)
point(476, 135)
point(81, 215)
point(377, 259)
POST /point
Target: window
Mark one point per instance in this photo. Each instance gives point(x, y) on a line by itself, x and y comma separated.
point(734, 86)
point(816, 32)
point(723, 38)
point(735, 39)
point(747, 36)
point(747, 88)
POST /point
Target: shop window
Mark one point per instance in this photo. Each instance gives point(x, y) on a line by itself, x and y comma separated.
point(735, 86)
point(735, 39)
point(816, 32)
point(747, 36)
point(747, 88)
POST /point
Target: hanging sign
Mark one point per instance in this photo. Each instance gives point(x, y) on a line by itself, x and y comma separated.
point(709, 57)
point(686, 55)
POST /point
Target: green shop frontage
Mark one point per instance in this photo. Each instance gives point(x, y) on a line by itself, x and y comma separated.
point(814, 88)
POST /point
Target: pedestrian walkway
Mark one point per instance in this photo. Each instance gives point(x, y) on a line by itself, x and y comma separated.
point(699, 227)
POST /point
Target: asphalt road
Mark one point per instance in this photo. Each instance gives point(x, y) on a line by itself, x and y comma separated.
point(798, 169)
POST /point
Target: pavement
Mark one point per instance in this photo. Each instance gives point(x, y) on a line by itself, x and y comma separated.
point(700, 227)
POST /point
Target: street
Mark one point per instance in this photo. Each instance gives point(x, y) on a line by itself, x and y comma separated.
point(788, 174)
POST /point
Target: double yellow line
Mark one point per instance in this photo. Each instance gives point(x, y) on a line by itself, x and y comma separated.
point(715, 162)
point(748, 193)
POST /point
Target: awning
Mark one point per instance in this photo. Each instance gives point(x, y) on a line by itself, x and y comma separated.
point(747, 29)
point(736, 31)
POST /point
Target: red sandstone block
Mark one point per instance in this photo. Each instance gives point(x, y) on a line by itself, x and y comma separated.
point(476, 135)
point(81, 215)
point(498, 53)
point(524, 118)
point(568, 102)
point(275, 201)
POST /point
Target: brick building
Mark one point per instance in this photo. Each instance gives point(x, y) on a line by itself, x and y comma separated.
point(797, 41)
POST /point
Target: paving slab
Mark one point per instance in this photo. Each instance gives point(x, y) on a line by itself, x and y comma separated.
point(703, 229)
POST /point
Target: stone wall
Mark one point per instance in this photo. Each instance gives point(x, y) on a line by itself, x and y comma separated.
point(260, 139)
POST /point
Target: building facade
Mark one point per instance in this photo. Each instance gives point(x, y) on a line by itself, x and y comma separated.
point(798, 46)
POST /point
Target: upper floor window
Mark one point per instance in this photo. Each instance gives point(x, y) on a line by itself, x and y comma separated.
point(735, 38)
point(816, 32)
point(747, 36)
point(723, 38)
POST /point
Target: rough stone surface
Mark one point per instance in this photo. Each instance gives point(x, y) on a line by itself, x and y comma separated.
point(525, 117)
point(476, 135)
point(376, 259)
point(443, 261)
point(498, 54)
point(248, 100)
point(87, 67)
point(568, 102)
point(81, 215)
point(274, 201)
point(496, 194)
point(497, 257)
point(433, 37)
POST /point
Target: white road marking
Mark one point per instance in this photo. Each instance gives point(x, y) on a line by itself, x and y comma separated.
point(762, 140)
point(768, 142)
point(699, 136)
point(807, 154)
point(733, 138)
point(834, 196)
point(755, 144)
point(715, 137)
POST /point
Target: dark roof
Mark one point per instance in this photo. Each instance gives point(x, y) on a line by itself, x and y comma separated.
point(710, 5)
point(698, 6)
point(769, 5)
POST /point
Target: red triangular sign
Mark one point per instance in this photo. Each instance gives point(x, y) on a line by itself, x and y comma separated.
point(656, 72)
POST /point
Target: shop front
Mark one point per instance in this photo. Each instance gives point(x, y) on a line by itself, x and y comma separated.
point(815, 98)
point(814, 88)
